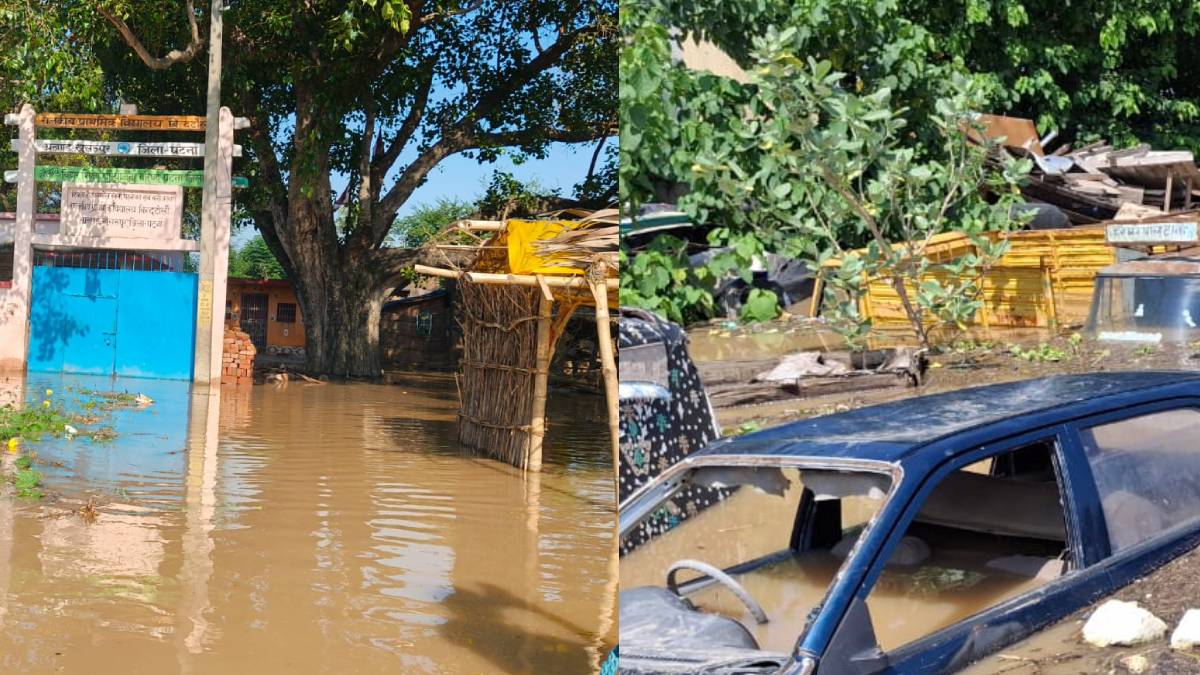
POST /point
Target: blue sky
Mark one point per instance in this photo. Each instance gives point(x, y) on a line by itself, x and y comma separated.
point(464, 178)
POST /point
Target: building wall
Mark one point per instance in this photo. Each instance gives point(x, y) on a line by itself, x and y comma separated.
point(279, 334)
point(418, 334)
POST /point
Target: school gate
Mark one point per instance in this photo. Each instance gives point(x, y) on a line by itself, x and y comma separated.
point(138, 322)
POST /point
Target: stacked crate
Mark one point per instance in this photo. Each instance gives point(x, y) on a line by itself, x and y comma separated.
point(237, 358)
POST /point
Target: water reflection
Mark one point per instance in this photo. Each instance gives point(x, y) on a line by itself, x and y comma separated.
point(309, 528)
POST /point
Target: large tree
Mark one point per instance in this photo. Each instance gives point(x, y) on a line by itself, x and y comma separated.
point(370, 94)
point(1123, 71)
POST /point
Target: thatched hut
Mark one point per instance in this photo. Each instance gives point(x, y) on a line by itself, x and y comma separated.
point(523, 280)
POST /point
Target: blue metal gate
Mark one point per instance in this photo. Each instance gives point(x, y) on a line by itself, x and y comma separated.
point(113, 322)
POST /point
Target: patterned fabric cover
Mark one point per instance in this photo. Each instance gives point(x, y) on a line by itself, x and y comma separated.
point(655, 433)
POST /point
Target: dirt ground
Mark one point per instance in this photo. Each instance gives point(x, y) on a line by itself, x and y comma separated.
point(972, 362)
point(1059, 650)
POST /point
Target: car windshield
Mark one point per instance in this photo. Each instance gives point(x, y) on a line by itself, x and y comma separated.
point(1146, 308)
point(781, 533)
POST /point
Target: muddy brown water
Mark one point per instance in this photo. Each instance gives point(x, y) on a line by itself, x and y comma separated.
point(313, 528)
point(907, 603)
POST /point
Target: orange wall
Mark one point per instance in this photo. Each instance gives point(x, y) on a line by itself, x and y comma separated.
point(278, 334)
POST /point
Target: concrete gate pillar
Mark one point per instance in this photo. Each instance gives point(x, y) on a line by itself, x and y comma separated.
point(214, 259)
point(14, 301)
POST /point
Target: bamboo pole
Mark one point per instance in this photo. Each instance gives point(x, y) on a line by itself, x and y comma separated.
point(608, 363)
point(574, 281)
point(541, 380)
point(481, 225)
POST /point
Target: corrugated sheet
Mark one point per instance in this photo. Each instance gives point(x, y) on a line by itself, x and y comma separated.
point(1046, 277)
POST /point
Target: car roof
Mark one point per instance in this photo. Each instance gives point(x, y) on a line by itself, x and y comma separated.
point(890, 432)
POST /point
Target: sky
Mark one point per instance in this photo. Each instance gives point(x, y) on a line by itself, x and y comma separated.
point(464, 178)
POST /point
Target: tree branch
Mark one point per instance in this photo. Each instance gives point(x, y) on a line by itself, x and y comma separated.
point(366, 178)
point(194, 46)
point(264, 150)
point(383, 162)
point(414, 174)
point(390, 264)
point(464, 134)
point(897, 279)
point(503, 139)
point(509, 85)
point(434, 16)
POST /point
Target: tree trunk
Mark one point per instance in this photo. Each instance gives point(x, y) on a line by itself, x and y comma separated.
point(341, 299)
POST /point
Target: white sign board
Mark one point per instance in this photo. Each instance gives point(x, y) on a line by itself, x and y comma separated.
point(1151, 233)
point(114, 210)
point(118, 149)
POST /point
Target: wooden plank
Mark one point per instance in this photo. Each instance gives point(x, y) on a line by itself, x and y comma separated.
point(734, 395)
point(118, 149)
point(1017, 132)
point(1135, 151)
point(121, 122)
point(1152, 158)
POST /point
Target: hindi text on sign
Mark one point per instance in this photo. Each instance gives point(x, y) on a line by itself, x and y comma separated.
point(1152, 233)
point(122, 122)
point(127, 211)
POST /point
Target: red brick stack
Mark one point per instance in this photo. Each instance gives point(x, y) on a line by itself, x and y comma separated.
point(237, 359)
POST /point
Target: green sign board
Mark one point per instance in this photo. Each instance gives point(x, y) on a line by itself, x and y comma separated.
point(86, 174)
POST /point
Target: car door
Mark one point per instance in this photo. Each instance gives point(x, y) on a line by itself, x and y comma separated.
point(1143, 465)
point(860, 644)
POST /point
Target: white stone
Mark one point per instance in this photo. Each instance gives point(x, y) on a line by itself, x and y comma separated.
point(1123, 624)
point(1187, 633)
point(1136, 664)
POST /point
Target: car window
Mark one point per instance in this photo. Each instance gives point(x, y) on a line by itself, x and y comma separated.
point(987, 532)
point(744, 524)
point(1147, 471)
point(752, 535)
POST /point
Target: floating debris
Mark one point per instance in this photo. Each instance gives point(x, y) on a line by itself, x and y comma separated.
point(88, 512)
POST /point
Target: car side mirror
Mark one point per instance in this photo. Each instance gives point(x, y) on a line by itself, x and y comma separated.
point(854, 649)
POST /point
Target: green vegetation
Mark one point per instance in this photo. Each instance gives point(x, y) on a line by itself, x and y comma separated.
point(27, 481)
point(747, 427)
point(1042, 353)
point(32, 423)
point(26, 425)
point(254, 260)
point(797, 162)
point(845, 133)
point(426, 220)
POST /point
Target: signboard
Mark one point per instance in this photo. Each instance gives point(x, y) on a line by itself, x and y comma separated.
point(1152, 233)
point(119, 149)
point(87, 174)
point(121, 122)
point(133, 211)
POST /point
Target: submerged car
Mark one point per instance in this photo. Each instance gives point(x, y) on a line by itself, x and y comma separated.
point(1152, 299)
point(911, 537)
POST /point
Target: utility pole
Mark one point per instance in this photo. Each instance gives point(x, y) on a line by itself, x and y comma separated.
point(210, 320)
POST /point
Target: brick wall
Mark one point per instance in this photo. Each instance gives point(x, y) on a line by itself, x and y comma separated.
point(237, 358)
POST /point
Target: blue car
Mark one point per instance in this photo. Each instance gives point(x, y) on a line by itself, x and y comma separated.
point(912, 537)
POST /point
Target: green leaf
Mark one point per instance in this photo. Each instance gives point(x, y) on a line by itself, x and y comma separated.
point(760, 305)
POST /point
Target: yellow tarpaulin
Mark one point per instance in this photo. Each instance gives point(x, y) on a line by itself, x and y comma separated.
point(523, 257)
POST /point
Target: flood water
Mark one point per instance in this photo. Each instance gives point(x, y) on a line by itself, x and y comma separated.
point(311, 528)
